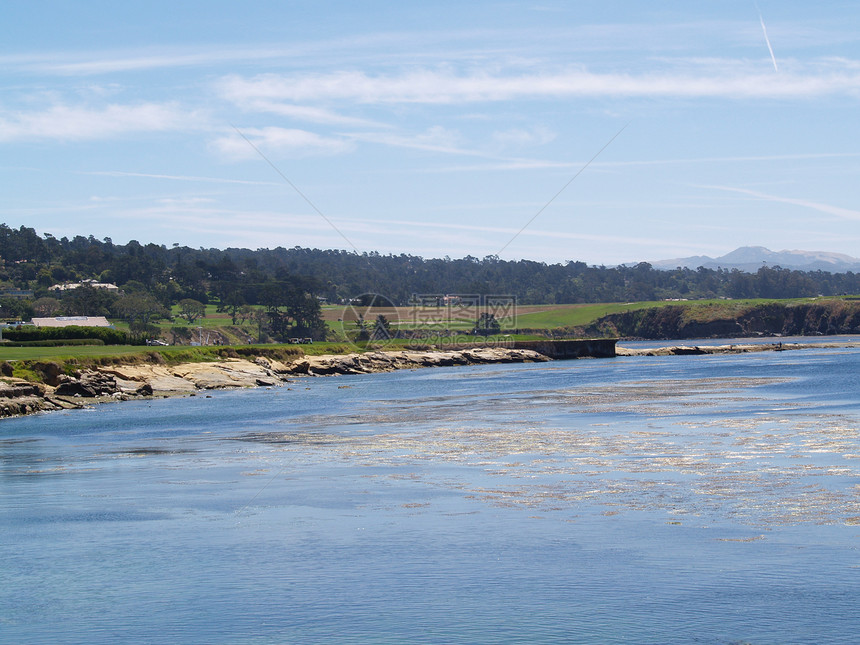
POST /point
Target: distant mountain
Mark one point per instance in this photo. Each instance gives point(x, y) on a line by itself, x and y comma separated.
point(752, 258)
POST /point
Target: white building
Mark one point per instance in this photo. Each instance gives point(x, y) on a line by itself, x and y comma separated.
point(68, 286)
point(68, 321)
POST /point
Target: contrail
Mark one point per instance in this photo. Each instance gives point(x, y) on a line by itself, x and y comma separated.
point(766, 39)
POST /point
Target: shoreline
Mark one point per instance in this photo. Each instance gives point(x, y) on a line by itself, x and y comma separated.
point(733, 348)
point(130, 381)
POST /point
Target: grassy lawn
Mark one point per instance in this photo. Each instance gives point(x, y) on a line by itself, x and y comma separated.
point(552, 316)
point(184, 352)
point(577, 315)
point(33, 353)
point(212, 319)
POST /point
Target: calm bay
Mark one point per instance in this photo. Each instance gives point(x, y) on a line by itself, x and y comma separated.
point(707, 499)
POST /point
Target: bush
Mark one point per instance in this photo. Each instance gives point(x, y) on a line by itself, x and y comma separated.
point(55, 343)
point(108, 335)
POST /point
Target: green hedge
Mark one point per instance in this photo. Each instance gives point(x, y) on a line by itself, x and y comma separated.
point(108, 335)
point(54, 343)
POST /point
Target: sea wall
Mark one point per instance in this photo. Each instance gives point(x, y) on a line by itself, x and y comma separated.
point(567, 349)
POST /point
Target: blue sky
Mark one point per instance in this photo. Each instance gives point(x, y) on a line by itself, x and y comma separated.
point(436, 128)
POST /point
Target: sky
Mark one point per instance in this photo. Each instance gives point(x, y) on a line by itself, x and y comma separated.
point(602, 132)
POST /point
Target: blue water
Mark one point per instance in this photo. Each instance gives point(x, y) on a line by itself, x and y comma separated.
point(685, 499)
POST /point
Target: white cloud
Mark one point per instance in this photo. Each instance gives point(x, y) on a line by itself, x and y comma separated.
point(190, 178)
point(68, 123)
point(305, 113)
point(233, 88)
point(726, 79)
point(434, 139)
point(124, 61)
point(285, 141)
point(183, 202)
point(539, 164)
point(519, 137)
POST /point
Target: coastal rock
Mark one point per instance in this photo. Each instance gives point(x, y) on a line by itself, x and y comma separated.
point(190, 377)
point(226, 374)
point(101, 384)
point(380, 361)
point(277, 367)
point(682, 350)
point(17, 388)
point(19, 397)
point(124, 386)
point(74, 388)
point(51, 372)
point(159, 378)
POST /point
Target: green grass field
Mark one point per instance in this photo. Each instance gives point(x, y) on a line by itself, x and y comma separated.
point(212, 319)
point(53, 353)
point(576, 315)
point(554, 316)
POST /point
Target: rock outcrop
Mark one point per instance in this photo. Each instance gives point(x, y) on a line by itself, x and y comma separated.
point(390, 361)
point(122, 382)
point(729, 319)
point(743, 348)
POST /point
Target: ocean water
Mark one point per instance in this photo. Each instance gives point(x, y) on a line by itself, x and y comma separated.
point(686, 499)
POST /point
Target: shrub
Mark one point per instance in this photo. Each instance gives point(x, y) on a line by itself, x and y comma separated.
point(108, 335)
point(55, 343)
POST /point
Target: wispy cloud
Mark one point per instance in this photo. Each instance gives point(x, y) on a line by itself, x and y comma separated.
point(72, 123)
point(447, 141)
point(434, 139)
point(284, 141)
point(502, 231)
point(234, 89)
point(539, 135)
point(838, 211)
point(428, 86)
point(412, 46)
point(191, 178)
point(311, 114)
point(95, 63)
point(540, 164)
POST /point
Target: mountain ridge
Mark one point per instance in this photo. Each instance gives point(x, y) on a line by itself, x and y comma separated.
point(752, 258)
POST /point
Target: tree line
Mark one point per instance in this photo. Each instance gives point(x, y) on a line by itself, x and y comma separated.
point(289, 283)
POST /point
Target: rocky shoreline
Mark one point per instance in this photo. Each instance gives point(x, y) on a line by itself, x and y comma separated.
point(735, 348)
point(140, 380)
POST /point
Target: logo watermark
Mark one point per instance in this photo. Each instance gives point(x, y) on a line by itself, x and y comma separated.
point(442, 321)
